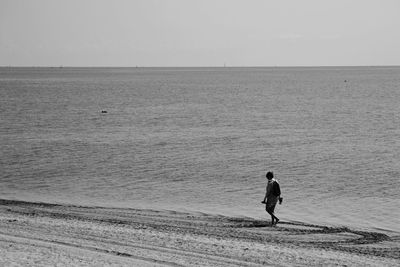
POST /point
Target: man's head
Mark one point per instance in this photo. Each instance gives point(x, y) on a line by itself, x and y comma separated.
point(270, 175)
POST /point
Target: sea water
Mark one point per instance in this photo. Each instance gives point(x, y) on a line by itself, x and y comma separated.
point(202, 139)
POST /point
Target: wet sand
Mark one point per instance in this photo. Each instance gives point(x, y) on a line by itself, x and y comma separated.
point(40, 234)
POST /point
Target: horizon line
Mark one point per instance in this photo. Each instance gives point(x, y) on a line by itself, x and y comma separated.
point(220, 66)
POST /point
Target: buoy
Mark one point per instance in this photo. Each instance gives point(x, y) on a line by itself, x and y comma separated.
point(104, 111)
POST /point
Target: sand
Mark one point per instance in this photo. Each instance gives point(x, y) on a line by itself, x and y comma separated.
point(39, 234)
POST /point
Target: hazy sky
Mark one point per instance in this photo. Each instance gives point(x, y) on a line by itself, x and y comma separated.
point(199, 32)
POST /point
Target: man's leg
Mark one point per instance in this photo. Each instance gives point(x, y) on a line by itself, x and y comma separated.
point(275, 219)
point(272, 215)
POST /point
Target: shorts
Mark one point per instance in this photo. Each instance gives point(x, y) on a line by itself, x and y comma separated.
point(271, 203)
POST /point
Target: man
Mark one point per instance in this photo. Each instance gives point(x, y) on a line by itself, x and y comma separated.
point(272, 196)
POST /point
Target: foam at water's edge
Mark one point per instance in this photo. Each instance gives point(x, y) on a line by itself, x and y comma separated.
point(241, 221)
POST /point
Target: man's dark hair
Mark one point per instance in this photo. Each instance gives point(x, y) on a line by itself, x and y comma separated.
point(270, 175)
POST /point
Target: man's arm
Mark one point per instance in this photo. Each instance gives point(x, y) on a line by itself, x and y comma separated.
point(279, 193)
point(277, 189)
point(265, 198)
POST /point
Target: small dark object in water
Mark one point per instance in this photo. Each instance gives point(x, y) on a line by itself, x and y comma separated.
point(104, 111)
point(345, 81)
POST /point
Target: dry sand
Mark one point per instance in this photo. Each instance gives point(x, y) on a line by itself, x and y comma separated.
point(39, 234)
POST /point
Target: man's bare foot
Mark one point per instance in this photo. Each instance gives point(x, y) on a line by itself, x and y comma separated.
point(276, 221)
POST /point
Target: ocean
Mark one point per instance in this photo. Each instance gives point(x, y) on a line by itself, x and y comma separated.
point(202, 139)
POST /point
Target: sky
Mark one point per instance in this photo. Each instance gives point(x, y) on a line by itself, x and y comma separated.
point(199, 32)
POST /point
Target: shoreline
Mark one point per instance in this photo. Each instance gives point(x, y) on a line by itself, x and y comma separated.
point(46, 234)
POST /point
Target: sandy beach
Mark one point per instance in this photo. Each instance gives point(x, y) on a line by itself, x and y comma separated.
point(40, 234)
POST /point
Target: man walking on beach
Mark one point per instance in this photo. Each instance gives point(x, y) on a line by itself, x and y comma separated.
point(272, 196)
